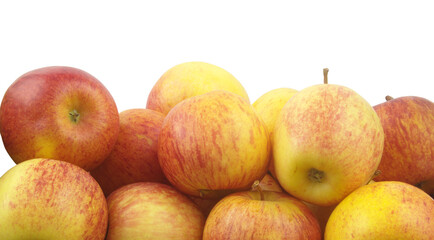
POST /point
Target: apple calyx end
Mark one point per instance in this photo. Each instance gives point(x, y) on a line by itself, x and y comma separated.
point(74, 116)
point(256, 187)
point(316, 175)
point(388, 98)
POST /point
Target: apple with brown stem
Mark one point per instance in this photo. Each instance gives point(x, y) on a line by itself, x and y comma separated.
point(327, 142)
point(409, 139)
point(261, 214)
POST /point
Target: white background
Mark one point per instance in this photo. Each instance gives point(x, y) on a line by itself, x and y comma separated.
point(377, 48)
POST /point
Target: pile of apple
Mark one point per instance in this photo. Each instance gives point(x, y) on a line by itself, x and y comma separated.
point(202, 162)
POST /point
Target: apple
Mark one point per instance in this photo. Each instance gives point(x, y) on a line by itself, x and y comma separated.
point(51, 199)
point(321, 213)
point(190, 79)
point(261, 215)
point(147, 210)
point(427, 186)
point(327, 142)
point(213, 144)
point(383, 210)
point(59, 113)
point(268, 183)
point(409, 139)
point(268, 106)
point(134, 156)
point(205, 205)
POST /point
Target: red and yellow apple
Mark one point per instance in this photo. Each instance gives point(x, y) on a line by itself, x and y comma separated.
point(268, 107)
point(205, 205)
point(213, 144)
point(383, 210)
point(408, 140)
point(59, 113)
point(265, 215)
point(147, 210)
point(134, 156)
point(190, 79)
point(51, 199)
point(327, 142)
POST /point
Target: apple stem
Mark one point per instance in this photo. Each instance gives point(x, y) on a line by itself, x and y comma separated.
point(74, 116)
point(256, 187)
point(325, 72)
point(388, 98)
point(376, 173)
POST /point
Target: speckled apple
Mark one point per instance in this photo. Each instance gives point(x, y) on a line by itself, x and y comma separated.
point(409, 140)
point(213, 144)
point(51, 199)
point(191, 79)
point(147, 210)
point(248, 215)
point(327, 142)
point(383, 210)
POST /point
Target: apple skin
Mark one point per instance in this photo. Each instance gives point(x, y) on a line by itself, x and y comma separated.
point(190, 79)
point(383, 210)
point(51, 199)
point(36, 121)
point(408, 154)
point(243, 215)
point(134, 156)
point(427, 186)
point(268, 183)
point(268, 106)
point(147, 210)
point(327, 142)
point(213, 144)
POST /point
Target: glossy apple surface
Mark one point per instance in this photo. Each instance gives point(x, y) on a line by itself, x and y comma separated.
point(59, 113)
point(213, 144)
point(409, 140)
point(147, 210)
point(244, 215)
point(268, 107)
point(134, 156)
point(190, 79)
point(383, 210)
point(327, 142)
point(51, 199)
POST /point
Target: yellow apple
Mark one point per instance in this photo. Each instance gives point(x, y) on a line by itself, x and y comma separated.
point(51, 199)
point(383, 210)
point(268, 106)
point(190, 79)
point(327, 142)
